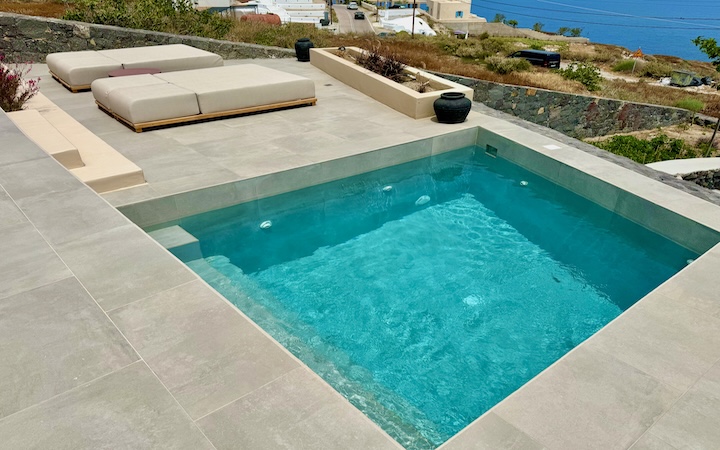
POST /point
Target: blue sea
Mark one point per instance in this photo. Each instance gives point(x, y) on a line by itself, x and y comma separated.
point(659, 27)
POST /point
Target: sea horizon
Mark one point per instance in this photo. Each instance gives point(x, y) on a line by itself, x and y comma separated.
point(658, 27)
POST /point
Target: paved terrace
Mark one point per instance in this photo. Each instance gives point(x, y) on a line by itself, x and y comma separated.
point(108, 341)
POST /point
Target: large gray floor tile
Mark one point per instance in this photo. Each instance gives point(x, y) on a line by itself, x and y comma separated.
point(200, 347)
point(697, 287)
point(65, 216)
point(694, 421)
point(297, 411)
point(490, 432)
point(649, 441)
point(54, 338)
point(36, 177)
point(587, 400)
point(664, 338)
point(122, 265)
point(15, 146)
point(128, 409)
point(10, 214)
point(27, 261)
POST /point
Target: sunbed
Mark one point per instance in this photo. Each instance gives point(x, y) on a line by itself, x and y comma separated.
point(147, 101)
point(77, 70)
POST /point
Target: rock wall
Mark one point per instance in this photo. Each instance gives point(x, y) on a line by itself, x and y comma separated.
point(578, 116)
point(707, 178)
point(30, 39)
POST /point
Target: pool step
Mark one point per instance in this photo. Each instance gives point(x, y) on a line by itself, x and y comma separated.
point(179, 242)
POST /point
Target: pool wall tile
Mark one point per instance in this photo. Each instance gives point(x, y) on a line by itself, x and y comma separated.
point(665, 222)
point(151, 212)
point(289, 180)
point(452, 141)
point(298, 411)
point(203, 350)
point(549, 164)
point(126, 409)
point(588, 400)
point(490, 432)
point(68, 342)
point(207, 199)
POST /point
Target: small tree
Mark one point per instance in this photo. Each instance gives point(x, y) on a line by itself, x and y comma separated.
point(575, 32)
point(513, 23)
point(562, 30)
point(537, 26)
point(499, 18)
point(710, 47)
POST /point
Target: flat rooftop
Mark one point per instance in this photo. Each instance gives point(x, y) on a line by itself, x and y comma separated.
point(109, 341)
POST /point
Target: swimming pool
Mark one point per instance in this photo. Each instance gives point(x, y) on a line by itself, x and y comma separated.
point(427, 292)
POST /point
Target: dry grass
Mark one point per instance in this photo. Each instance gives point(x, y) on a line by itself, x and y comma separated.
point(40, 8)
point(658, 95)
point(433, 54)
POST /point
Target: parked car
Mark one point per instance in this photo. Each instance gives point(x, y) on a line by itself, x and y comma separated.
point(359, 15)
point(352, 5)
point(539, 58)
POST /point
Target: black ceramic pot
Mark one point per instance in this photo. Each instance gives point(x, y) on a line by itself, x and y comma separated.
point(452, 107)
point(302, 49)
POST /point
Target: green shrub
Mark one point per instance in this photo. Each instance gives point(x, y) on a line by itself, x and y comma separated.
point(170, 16)
point(690, 104)
point(585, 73)
point(626, 65)
point(506, 65)
point(654, 69)
point(660, 148)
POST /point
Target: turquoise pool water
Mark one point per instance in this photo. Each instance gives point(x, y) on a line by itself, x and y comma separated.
point(428, 292)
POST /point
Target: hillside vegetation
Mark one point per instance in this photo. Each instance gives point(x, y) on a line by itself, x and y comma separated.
point(444, 53)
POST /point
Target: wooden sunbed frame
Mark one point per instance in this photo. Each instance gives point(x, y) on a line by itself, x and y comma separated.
point(139, 127)
point(71, 88)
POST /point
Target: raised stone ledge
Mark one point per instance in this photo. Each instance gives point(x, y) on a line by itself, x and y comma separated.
point(578, 116)
point(29, 38)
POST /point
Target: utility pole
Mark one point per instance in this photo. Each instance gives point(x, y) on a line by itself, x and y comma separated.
point(412, 34)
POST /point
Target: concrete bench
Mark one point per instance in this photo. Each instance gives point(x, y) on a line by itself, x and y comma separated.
point(77, 70)
point(100, 166)
point(47, 137)
point(192, 95)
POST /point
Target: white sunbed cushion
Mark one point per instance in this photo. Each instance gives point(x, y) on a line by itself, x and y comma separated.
point(167, 58)
point(139, 104)
point(240, 86)
point(81, 68)
point(102, 87)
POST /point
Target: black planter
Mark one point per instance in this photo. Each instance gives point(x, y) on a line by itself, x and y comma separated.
point(302, 49)
point(452, 107)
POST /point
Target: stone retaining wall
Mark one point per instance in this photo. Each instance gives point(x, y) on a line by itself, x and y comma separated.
point(707, 178)
point(28, 38)
point(578, 116)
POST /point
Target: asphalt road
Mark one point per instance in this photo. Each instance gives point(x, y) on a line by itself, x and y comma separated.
point(347, 22)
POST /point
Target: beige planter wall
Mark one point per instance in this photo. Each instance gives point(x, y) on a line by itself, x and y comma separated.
point(401, 98)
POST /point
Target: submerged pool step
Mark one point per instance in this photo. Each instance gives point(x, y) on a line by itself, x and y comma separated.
point(179, 242)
